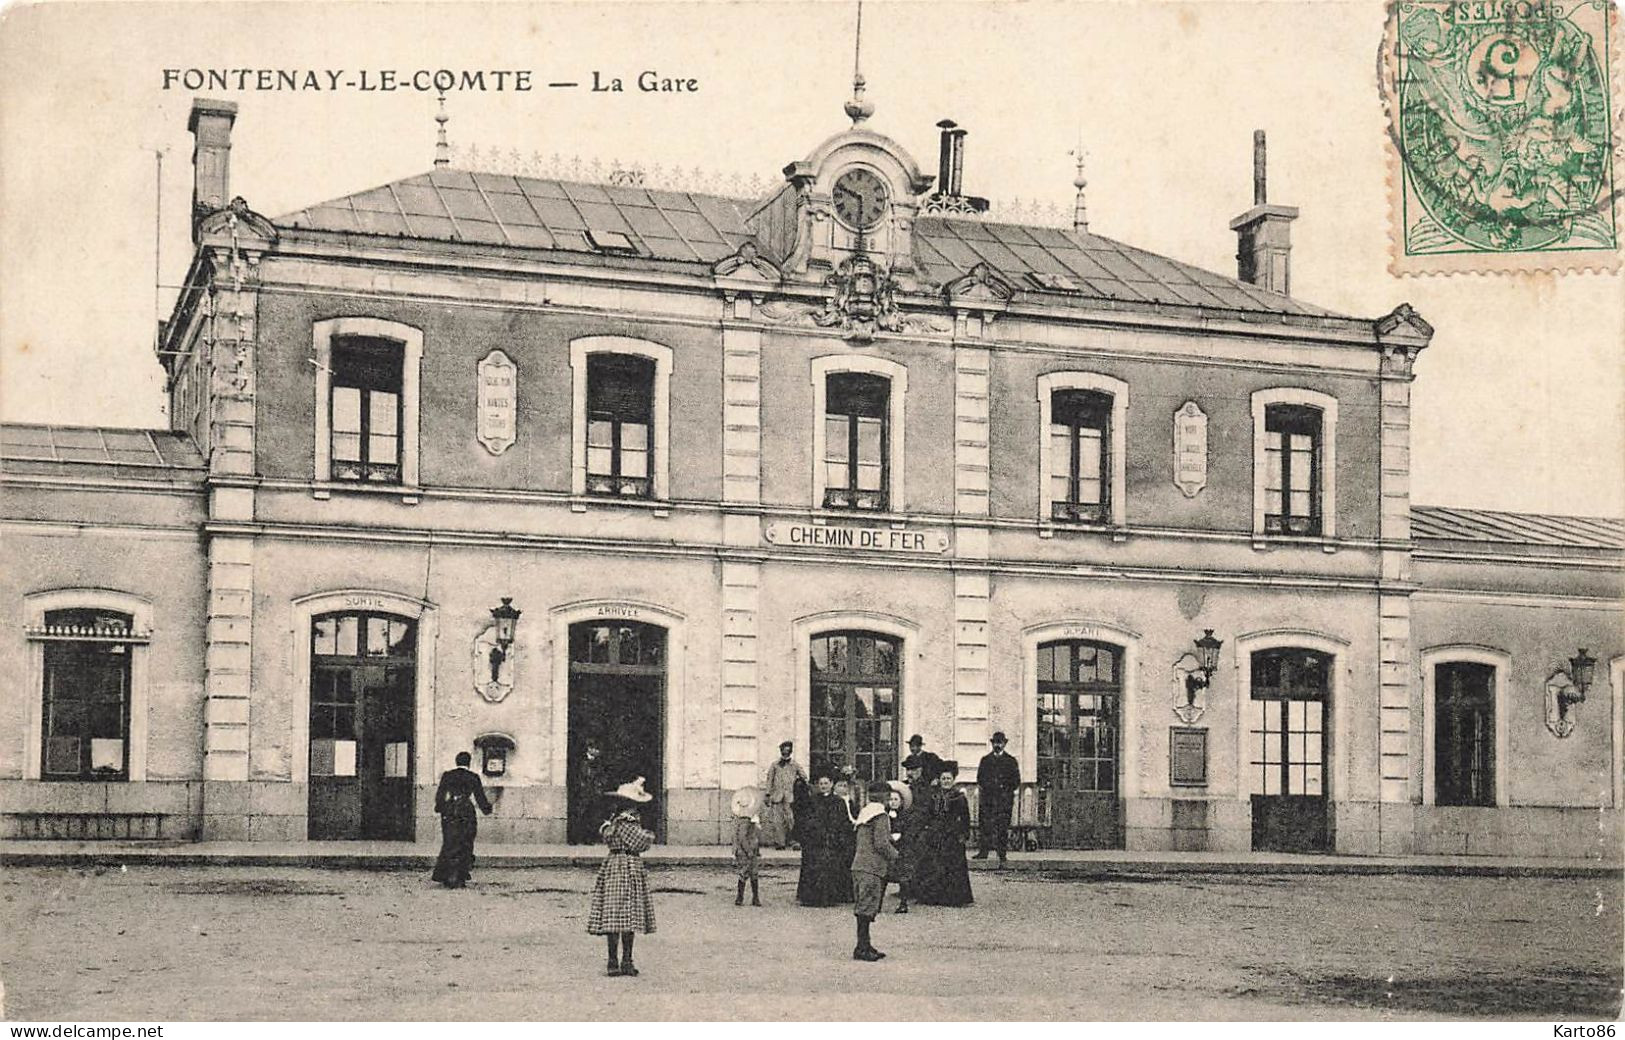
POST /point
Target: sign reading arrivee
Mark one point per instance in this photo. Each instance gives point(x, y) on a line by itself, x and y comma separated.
point(879, 540)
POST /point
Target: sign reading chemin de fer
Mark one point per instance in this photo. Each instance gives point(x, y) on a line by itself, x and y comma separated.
point(879, 540)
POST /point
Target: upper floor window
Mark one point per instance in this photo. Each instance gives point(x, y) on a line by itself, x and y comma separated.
point(857, 431)
point(620, 417)
point(1080, 455)
point(1081, 447)
point(1464, 733)
point(619, 441)
point(1294, 462)
point(85, 722)
point(367, 377)
point(366, 410)
point(855, 441)
point(1292, 470)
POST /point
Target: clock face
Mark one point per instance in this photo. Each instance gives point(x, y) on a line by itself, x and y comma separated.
point(860, 198)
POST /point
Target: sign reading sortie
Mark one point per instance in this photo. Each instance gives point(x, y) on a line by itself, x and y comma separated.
point(879, 540)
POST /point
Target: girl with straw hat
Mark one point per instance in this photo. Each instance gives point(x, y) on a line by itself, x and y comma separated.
point(621, 906)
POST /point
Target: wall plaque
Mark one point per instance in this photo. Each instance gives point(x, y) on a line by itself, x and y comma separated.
point(496, 425)
point(1187, 757)
point(880, 541)
point(1190, 449)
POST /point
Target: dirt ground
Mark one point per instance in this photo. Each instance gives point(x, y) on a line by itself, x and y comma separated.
point(230, 943)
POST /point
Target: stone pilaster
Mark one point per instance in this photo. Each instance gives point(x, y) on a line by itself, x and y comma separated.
point(1401, 337)
point(972, 588)
point(741, 582)
point(234, 239)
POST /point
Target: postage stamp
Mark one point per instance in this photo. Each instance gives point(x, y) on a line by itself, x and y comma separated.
point(1503, 135)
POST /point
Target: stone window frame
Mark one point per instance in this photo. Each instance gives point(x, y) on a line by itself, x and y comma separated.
point(1118, 391)
point(583, 348)
point(410, 338)
point(1335, 775)
point(1302, 397)
point(35, 607)
point(802, 632)
point(1128, 643)
point(821, 368)
point(1465, 653)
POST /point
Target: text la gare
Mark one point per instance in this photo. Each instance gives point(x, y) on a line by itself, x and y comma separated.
point(648, 82)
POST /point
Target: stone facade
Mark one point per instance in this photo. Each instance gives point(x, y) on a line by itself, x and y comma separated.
point(736, 559)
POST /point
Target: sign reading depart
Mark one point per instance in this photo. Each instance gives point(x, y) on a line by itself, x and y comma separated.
point(879, 540)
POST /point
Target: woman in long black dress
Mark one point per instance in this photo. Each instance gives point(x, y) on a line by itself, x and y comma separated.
point(454, 800)
point(810, 823)
point(942, 877)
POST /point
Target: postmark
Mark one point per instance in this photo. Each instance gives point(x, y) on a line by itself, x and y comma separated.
point(1504, 144)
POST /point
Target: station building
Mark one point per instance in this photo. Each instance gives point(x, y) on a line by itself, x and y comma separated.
point(474, 461)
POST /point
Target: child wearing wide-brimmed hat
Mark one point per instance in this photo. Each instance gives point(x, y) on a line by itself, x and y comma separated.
point(746, 807)
point(621, 906)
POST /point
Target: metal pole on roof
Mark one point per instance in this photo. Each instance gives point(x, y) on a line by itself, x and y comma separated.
point(442, 150)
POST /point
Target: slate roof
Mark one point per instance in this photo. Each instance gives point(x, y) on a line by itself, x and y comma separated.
point(35, 447)
point(1485, 525)
point(527, 212)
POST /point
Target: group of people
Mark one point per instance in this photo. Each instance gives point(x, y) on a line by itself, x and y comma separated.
point(854, 839)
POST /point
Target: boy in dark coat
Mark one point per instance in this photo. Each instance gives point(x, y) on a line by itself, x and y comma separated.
point(871, 861)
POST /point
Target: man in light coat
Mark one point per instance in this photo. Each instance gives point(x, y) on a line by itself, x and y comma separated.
point(778, 790)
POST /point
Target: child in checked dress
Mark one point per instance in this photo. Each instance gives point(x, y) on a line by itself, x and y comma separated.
point(621, 906)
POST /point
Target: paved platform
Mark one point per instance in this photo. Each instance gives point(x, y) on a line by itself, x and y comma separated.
point(385, 855)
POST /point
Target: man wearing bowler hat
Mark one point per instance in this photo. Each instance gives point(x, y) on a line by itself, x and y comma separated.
point(998, 777)
point(925, 761)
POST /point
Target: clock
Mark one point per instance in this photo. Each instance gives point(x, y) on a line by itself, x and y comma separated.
point(860, 198)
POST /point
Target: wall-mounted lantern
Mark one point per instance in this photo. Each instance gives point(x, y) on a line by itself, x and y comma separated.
point(1207, 662)
point(1565, 691)
point(507, 621)
point(1582, 668)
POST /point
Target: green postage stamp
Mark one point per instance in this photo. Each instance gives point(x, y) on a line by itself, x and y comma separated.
point(1504, 136)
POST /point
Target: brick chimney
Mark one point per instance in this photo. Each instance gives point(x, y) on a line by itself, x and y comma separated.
point(210, 125)
point(1264, 234)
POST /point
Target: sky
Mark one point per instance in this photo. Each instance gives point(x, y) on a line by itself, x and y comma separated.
point(1518, 404)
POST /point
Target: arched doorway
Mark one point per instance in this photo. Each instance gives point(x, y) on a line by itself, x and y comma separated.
point(1286, 720)
point(617, 701)
point(856, 703)
point(363, 711)
point(1079, 725)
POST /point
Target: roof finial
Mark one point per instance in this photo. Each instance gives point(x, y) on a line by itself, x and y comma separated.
point(858, 109)
point(1080, 211)
point(442, 150)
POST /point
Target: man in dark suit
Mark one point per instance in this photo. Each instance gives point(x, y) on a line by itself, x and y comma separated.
point(589, 785)
point(998, 777)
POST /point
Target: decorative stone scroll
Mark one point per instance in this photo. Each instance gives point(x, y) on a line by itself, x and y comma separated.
point(496, 425)
point(493, 666)
point(1190, 449)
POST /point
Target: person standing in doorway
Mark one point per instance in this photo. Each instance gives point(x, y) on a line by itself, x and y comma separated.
point(460, 790)
point(999, 778)
point(778, 789)
point(589, 787)
point(621, 906)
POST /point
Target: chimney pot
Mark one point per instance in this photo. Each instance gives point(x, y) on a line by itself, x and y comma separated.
point(210, 125)
point(1264, 235)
